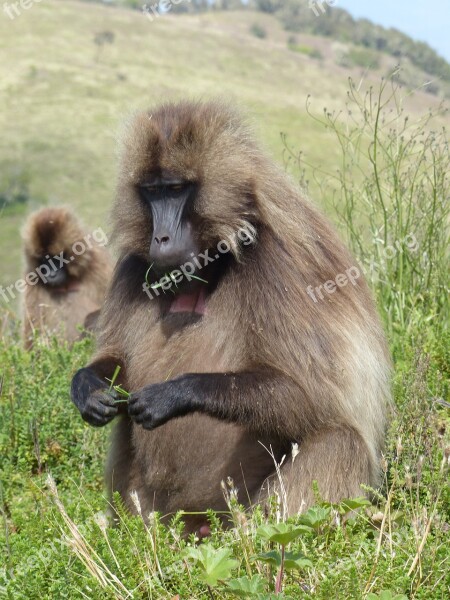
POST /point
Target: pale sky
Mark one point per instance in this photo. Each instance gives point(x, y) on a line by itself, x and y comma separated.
point(424, 20)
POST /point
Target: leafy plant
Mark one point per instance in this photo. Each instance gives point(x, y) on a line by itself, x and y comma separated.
point(246, 587)
point(283, 534)
point(316, 516)
point(214, 565)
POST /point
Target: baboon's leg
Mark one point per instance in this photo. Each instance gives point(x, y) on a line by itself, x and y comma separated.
point(338, 459)
point(120, 460)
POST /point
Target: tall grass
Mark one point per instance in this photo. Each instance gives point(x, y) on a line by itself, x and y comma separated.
point(391, 195)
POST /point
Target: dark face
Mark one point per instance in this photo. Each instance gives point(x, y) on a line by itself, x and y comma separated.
point(182, 272)
point(170, 203)
point(56, 276)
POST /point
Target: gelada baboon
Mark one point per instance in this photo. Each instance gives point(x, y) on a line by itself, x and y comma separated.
point(67, 271)
point(226, 354)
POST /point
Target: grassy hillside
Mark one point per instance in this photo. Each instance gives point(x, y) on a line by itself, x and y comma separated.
point(64, 97)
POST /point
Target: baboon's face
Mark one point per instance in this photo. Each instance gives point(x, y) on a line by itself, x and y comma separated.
point(49, 240)
point(170, 204)
point(57, 275)
point(198, 161)
point(186, 185)
point(177, 251)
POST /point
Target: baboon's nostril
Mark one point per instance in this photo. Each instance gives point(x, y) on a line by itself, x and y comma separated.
point(162, 240)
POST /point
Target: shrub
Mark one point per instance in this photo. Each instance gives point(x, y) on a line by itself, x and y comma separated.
point(269, 6)
point(307, 50)
point(360, 57)
point(14, 186)
point(258, 31)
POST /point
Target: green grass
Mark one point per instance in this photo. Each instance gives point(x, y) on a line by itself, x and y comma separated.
point(41, 432)
point(307, 50)
point(361, 57)
point(389, 195)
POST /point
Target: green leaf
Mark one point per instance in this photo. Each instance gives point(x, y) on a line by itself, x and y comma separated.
point(215, 565)
point(315, 516)
point(292, 560)
point(114, 377)
point(245, 587)
point(283, 533)
point(296, 561)
point(271, 558)
point(353, 504)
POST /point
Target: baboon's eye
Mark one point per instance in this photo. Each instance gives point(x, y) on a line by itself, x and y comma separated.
point(156, 188)
point(151, 187)
point(177, 187)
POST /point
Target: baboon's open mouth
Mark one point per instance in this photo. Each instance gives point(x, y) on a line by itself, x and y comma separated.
point(194, 302)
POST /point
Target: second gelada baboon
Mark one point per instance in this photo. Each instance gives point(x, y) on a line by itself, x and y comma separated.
point(67, 271)
point(229, 359)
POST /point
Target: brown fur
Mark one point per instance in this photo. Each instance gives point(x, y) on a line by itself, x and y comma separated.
point(323, 368)
point(50, 231)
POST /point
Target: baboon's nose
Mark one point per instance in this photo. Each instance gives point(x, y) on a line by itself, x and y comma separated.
point(168, 250)
point(165, 239)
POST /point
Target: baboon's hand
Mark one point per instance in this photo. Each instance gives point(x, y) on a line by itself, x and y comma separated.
point(93, 398)
point(156, 404)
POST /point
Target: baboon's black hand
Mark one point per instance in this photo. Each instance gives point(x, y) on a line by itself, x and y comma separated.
point(156, 404)
point(92, 398)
